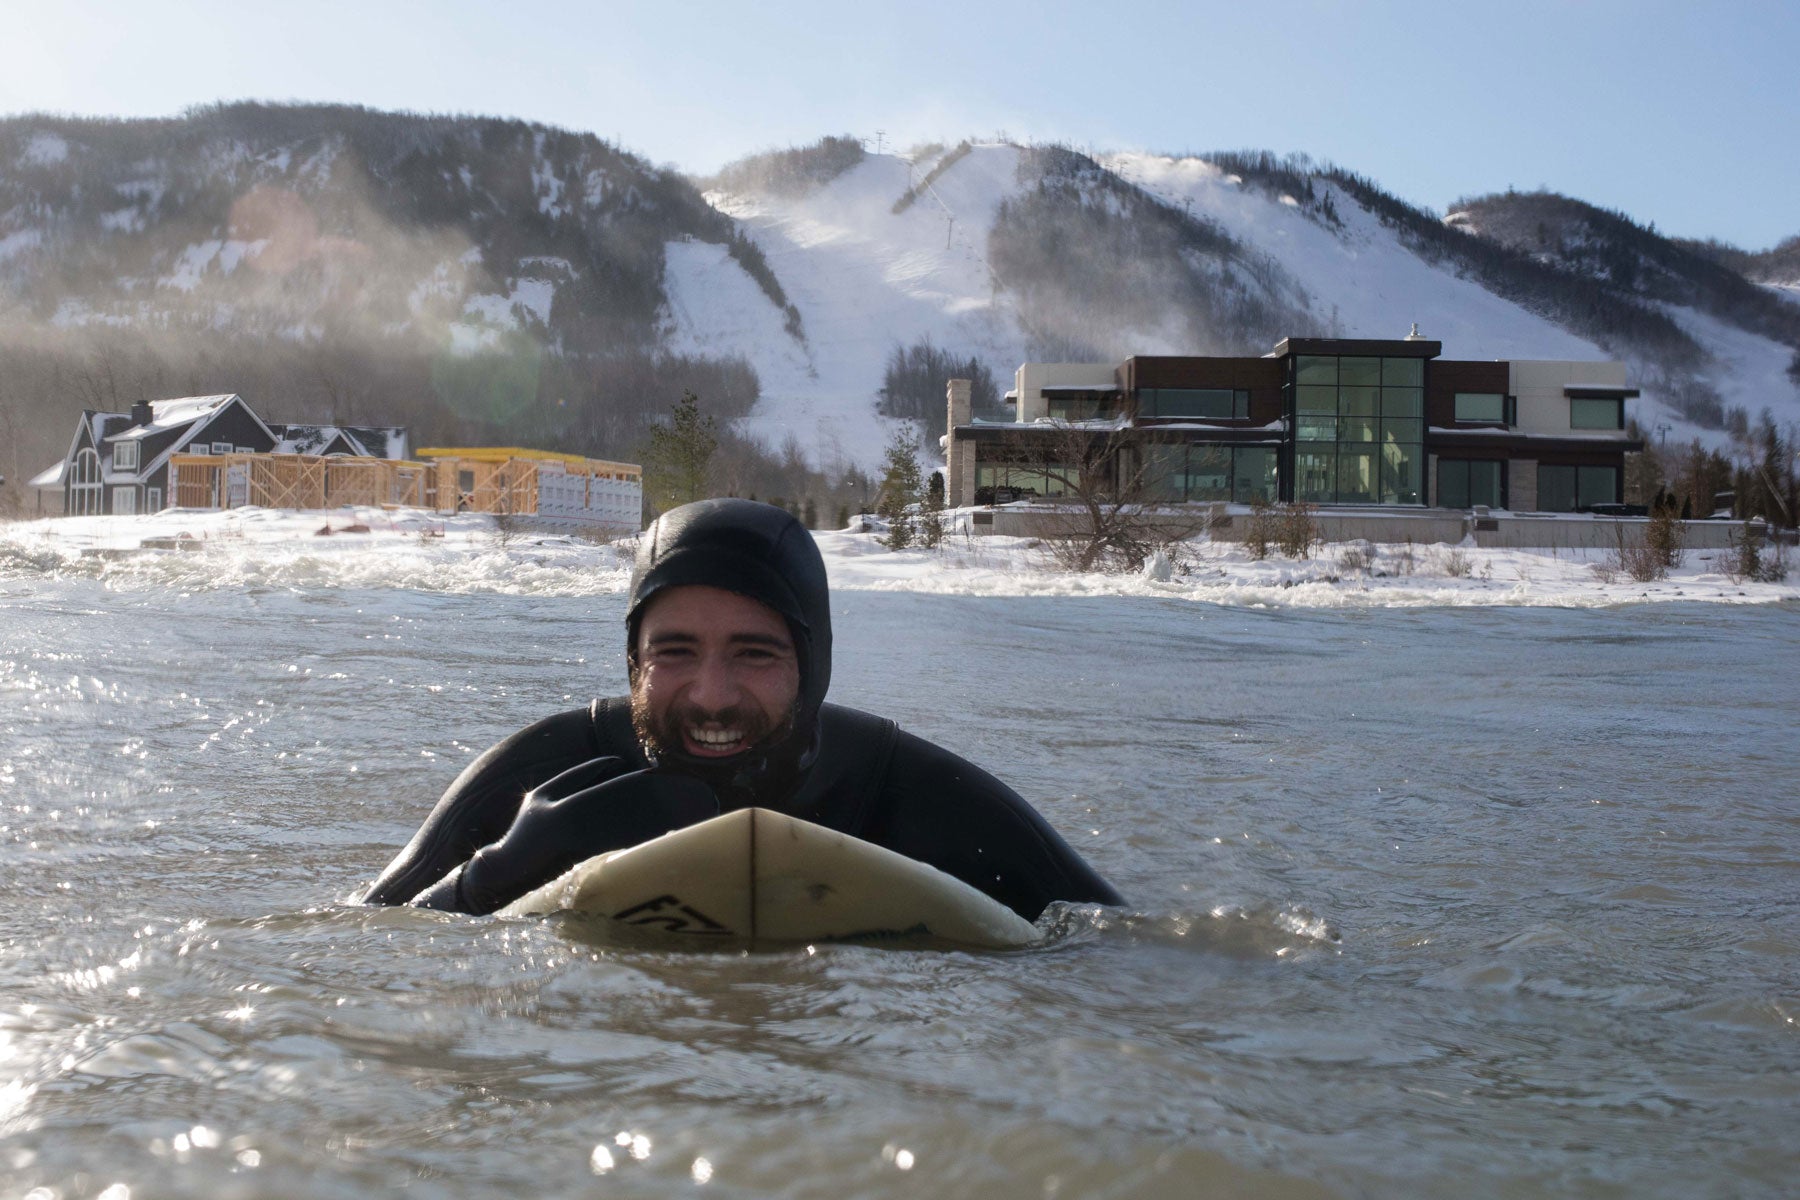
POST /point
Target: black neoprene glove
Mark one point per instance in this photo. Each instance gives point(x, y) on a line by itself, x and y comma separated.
point(590, 809)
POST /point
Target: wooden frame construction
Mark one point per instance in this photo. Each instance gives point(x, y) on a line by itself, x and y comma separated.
point(553, 490)
point(300, 481)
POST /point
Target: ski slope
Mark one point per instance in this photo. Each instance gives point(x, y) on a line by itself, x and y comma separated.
point(866, 280)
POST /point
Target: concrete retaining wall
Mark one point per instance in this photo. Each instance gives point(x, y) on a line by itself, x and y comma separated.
point(1419, 526)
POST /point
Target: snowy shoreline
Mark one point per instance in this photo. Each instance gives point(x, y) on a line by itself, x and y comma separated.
point(192, 550)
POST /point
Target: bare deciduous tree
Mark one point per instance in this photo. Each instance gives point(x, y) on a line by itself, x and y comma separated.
point(1111, 491)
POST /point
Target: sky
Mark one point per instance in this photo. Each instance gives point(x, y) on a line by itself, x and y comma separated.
point(1681, 115)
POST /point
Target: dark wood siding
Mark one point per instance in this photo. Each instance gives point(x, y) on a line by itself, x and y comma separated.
point(1261, 377)
point(1446, 377)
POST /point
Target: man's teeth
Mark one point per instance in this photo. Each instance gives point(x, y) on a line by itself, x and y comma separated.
point(716, 737)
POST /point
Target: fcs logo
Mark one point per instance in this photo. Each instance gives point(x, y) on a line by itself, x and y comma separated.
point(669, 913)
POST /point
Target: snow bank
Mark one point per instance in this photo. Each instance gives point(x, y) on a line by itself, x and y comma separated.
point(373, 548)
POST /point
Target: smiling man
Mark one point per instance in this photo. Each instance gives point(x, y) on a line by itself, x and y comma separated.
point(728, 645)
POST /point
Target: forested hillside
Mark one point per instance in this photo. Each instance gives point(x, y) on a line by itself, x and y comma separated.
point(483, 280)
point(476, 279)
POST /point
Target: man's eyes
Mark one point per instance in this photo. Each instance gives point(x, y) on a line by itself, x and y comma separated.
point(746, 654)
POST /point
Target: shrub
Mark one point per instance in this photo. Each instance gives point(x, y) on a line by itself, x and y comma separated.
point(1664, 534)
point(1296, 531)
point(1260, 533)
point(1637, 557)
point(1747, 561)
point(1357, 556)
point(1456, 564)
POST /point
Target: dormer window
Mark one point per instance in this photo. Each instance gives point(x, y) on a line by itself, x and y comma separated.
point(125, 456)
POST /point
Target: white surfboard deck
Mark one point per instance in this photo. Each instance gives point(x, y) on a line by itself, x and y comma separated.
point(762, 876)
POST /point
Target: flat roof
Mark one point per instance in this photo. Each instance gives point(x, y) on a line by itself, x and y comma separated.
point(1360, 347)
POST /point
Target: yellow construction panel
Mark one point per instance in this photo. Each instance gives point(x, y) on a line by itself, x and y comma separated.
point(498, 454)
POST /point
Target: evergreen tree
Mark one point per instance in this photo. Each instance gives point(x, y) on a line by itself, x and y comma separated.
point(678, 455)
point(899, 491)
point(931, 513)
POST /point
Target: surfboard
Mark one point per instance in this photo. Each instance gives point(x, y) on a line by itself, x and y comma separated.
point(762, 876)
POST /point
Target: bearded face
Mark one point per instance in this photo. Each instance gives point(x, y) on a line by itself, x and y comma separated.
point(714, 674)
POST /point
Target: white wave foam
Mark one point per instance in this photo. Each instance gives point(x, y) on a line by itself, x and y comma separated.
point(248, 548)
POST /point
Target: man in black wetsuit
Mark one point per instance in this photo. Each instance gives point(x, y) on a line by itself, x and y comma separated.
point(728, 641)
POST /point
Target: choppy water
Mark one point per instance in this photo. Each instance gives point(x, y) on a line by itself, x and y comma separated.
point(1437, 903)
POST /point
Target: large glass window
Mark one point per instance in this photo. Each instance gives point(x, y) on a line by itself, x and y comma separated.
point(1080, 408)
point(1556, 488)
point(1315, 428)
point(1596, 485)
point(1316, 368)
point(1596, 414)
point(1165, 472)
point(1356, 476)
point(1481, 408)
point(1402, 429)
point(1212, 404)
point(1029, 480)
point(1202, 472)
point(1315, 473)
point(1403, 372)
point(1209, 473)
point(1254, 474)
point(1359, 429)
point(1570, 489)
point(1402, 469)
point(1317, 398)
point(1463, 483)
point(1402, 402)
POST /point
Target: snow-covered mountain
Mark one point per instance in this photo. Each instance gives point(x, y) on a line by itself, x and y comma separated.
point(484, 278)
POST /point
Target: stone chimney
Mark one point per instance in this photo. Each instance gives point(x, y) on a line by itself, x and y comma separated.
point(956, 493)
point(142, 413)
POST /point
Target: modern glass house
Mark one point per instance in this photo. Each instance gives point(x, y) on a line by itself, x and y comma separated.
point(1328, 421)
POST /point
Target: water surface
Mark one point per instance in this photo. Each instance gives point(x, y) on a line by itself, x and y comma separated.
point(1464, 903)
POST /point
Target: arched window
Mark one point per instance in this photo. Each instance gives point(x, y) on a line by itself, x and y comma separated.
point(84, 485)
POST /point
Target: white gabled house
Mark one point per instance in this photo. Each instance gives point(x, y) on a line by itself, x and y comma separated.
point(118, 463)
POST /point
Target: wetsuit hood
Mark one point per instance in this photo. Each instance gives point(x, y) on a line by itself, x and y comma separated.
point(764, 553)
